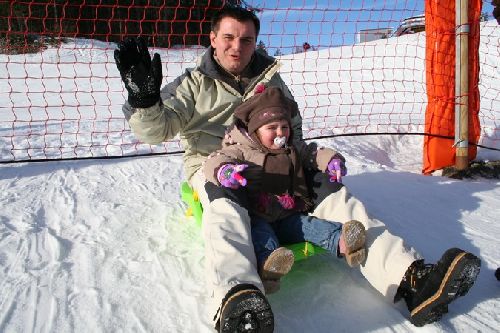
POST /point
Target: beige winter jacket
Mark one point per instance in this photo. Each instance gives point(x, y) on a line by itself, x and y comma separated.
point(199, 107)
point(239, 148)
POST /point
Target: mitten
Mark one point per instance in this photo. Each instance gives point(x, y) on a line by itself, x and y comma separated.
point(229, 175)
point(336, 168)
point(142, 77)
point(286, 201)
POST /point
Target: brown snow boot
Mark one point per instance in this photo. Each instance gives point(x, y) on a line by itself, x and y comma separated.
point(354, 236)
point(429, 288)
point(277, 265)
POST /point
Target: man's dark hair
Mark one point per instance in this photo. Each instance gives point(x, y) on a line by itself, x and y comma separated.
point(239, 14)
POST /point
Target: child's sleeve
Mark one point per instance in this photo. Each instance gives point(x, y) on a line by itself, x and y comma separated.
point(315, 157)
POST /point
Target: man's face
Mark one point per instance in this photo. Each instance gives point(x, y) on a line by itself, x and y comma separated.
point(234, 44)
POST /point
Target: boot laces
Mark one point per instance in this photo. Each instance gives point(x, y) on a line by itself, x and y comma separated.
point(419, 272)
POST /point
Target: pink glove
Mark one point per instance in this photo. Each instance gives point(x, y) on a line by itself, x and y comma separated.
point(336, 168)
point(229, 175)
point(286, 201)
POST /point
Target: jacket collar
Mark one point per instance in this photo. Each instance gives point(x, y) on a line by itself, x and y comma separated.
point(210, 67)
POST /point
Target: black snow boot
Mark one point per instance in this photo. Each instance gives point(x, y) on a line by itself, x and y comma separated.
point(428, 289)
point(245, 310)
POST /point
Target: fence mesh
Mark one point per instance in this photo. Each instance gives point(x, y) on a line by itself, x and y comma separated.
point(354, 68)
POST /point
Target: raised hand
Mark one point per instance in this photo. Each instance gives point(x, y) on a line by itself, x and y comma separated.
point(229, 175)
point(142, 77)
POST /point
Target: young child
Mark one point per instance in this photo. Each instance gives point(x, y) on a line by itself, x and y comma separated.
point(258, 153)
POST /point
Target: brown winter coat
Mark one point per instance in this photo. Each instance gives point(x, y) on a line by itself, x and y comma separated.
point(239, 148)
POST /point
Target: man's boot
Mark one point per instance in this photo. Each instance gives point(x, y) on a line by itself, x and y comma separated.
point(428, 289)
point(245, 309)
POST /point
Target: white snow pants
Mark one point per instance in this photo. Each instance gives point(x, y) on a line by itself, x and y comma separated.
point(230, 258)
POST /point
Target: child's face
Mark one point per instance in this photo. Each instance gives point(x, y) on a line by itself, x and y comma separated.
point(266, 133)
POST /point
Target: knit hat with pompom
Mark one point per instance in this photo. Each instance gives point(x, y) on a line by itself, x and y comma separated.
point(265, 107)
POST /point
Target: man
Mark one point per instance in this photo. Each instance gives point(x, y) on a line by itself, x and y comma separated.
point(199, 106)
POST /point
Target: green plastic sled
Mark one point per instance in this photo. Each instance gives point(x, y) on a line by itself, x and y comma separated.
point(300, 250)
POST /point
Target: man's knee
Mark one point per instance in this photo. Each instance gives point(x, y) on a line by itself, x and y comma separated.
point(238, 196)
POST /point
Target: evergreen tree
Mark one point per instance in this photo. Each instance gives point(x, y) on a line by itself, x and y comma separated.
point(261, 47)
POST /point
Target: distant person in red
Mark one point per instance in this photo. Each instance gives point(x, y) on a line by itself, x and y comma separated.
point(306, 46)
point(496, 10)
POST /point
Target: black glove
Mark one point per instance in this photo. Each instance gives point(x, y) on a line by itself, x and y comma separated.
point(142, 77)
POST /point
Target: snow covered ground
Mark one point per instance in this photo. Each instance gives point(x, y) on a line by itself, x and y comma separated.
point(104, 245)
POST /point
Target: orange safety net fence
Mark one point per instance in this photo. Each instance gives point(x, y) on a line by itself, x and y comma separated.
point(355, 68)
point(440, 30)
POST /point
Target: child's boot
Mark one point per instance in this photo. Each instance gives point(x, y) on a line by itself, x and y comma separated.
point(277, 265)
point(352, 243)
point(429, 288)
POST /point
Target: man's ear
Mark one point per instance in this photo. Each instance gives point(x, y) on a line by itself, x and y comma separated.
point(212, 38)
